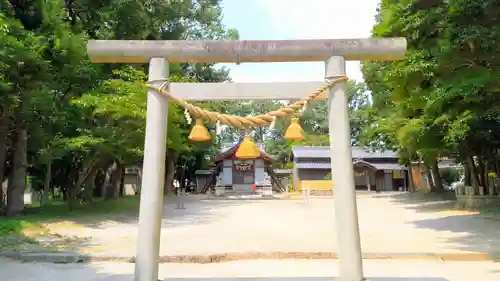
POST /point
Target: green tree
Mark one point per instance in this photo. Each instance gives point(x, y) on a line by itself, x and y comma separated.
point(439, 100)
point(70, 123)
point(314, 121)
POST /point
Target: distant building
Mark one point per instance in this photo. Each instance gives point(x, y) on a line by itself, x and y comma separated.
point(239, 175)
point(373, 170)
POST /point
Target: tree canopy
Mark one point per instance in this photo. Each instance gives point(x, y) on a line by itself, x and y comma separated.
point(440, 101)
point(68, 123)
point(71, 126)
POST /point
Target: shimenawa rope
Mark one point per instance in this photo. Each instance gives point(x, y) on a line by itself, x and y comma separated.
point(245, 122)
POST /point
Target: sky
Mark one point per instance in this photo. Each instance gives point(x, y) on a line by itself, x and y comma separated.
point(296, 19)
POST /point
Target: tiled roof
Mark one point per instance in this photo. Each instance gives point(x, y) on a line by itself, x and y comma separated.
point(282, 171)
point(378, 166)
point(313, 165)
point(388, 166)
point(324, 152)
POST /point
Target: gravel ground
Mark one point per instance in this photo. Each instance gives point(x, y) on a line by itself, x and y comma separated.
point(284, 270)
point(389, 224)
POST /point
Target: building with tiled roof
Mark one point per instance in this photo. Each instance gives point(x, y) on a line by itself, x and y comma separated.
point(239, 176)
point(373, 170)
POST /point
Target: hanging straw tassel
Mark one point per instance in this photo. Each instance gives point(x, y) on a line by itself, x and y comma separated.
point(199, 132)
point(247, 149)
point(294, 131)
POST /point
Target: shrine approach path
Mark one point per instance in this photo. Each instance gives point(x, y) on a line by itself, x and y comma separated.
point(391, 225)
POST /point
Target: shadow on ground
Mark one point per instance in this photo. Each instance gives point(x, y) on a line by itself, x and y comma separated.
point(55, 228)
point(479, 232)
point(424, 202)
point(196, 211)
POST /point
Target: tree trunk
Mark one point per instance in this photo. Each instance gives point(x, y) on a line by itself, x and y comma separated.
point(71, 197)
point(121, 190)
point(53, 192)
point(467, 178)
point(182, 176)
point(473, 174)
point(495, 166)
point(169, 171)
point(410, 178)
point(107, 177)
point(17, 179)
point(430, 180)
point(4, 134)
point(75, 191)
point(436, 177)
point(117, 180)
point(100, 183)
point(487, 166)
point(89, 185)
point(46, 185)
point(113, 181)
point(482, 173)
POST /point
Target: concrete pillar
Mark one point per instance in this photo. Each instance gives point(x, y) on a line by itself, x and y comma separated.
point(153, 178)
point(346, 214)
point(367, 180)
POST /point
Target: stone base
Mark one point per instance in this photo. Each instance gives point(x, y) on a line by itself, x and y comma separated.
point(265, 191)
point(477, 201)
point(59, 257)
point(315, 278)
point(321, 192)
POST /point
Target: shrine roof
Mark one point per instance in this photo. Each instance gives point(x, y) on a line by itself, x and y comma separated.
point(230, 154)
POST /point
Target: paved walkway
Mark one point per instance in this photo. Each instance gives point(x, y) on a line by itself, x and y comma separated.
point(389, 224)
point(283, 270)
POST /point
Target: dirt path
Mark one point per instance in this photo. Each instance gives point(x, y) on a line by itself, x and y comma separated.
point(389, 225)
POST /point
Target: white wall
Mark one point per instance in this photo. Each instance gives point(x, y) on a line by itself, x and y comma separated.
point(227, 172)
point(259, 171)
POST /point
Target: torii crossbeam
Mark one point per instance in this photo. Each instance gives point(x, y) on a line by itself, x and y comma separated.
point(159, 53)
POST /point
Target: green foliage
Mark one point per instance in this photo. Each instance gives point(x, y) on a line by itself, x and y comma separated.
point(314, 121)
point(441, 99)
point(79, 115)
point(449, 175)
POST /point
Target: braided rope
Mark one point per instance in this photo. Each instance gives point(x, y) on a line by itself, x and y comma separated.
point(244, 122)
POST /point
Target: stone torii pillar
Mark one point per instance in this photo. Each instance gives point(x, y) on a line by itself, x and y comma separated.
point(333, 51)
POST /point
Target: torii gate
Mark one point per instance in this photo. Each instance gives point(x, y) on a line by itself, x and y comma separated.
point(159, 53)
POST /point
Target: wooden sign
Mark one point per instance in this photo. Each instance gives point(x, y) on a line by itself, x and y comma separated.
point(243, 167)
